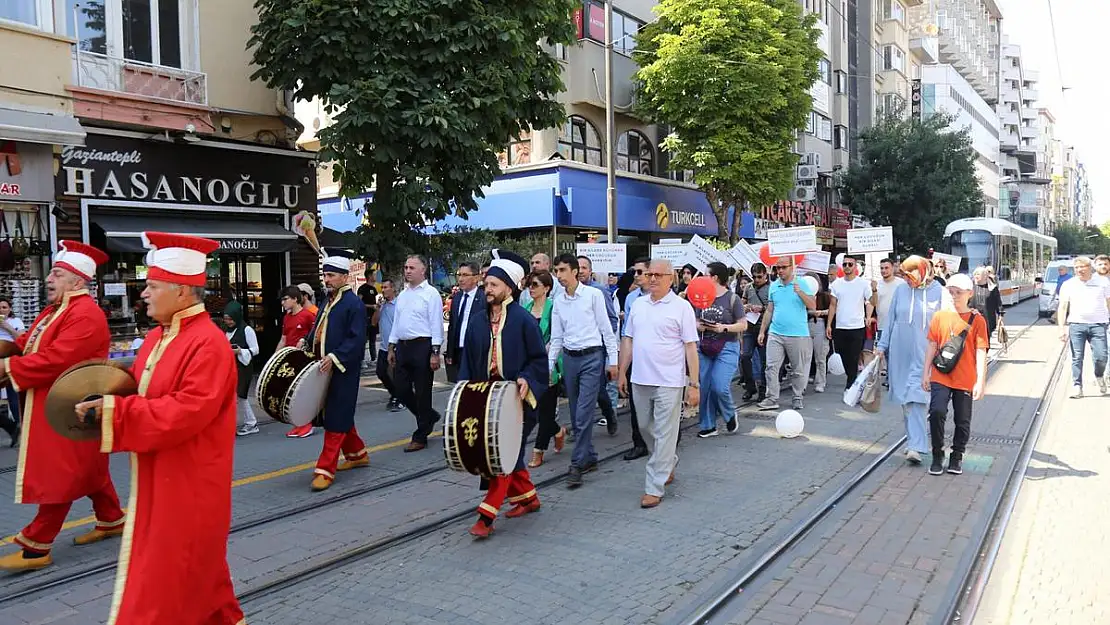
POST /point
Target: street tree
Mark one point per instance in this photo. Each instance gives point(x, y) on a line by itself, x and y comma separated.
point(731, 79)
point(914, 175)
point(1075, 239)
point(422, 96)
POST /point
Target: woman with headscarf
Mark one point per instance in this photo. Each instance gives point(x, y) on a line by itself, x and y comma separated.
point(244, 342)
point(986, 299)
point(904, 340)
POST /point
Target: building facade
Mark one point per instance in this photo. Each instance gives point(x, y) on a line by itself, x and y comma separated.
point(1024, 179)
point(169, 133)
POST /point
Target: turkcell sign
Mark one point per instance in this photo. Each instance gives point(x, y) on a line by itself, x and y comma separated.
point(687, 218)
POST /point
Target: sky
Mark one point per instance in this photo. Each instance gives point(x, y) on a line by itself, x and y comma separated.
point(1072, 60)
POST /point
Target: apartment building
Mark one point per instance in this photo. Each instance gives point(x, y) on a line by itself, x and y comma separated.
point(944, 89)
point(1048, 162)
point(1024, 179)
point(143, 116)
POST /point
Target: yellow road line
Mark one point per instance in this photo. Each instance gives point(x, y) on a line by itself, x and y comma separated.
point(261, 477)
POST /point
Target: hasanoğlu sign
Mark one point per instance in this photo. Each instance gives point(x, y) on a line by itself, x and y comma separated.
point(120, 168)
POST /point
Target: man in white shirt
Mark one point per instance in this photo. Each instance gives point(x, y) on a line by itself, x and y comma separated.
point(884, 293)
point(461, 311)
point(661, 337)
point(414, 344)
point(580, 331)
point(607, 398)
point(1083, 316)
point(850, 308)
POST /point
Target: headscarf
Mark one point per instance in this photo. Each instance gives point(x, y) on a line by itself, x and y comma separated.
point(917, 271)
point(238, 336)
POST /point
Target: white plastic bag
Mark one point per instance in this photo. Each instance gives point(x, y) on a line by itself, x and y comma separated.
point(835, 365)
point(854, 392)
point(872, 396)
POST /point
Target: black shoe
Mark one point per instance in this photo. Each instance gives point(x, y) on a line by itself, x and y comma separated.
point(611, 424)
point(955, 464)
point(636, 452)
point(711, 432)
point(589, 466)
point(574, 477)
point(732, 425)
point(937, 467)
point(748, 395)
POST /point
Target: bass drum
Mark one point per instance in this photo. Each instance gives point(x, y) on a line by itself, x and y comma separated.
point(483, 428)
point(292, 388)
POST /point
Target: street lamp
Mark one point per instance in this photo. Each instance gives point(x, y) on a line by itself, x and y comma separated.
point(610, 130)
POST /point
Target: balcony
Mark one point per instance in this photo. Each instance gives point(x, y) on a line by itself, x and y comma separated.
point(1009, 118)
point(1031, 94)
point(926, 48)
point(1009, 140)
point(167, 84)
point(1028, 113)
point(1030, 132)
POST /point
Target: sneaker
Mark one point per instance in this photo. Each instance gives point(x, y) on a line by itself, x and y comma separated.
point(796, 404)
point(732, 425)
point(246, 430)
point(303, 431)
point(1102, 385)
point(602, 422)
point(937, 466)
point(913, 457)
point(1076, 391)
point(768, 404)
point(710, 433)
point(397, 406)
point(818, 389)
point(574, 477)
point(748, 396)
point(955, 465)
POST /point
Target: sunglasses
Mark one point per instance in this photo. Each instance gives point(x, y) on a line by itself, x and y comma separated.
point(656, 276)
point(849, 264)
point(536, 285)
point(639, 272)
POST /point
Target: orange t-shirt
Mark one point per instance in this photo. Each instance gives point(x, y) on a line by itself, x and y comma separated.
point(946, 324)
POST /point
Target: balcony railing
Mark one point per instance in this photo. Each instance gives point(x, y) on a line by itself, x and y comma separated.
point(171, 84)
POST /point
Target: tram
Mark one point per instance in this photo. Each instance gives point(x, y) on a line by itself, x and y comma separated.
point(1017, 254)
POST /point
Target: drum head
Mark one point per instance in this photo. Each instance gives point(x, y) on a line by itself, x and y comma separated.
point(306, 396)
point(79, 383)
point(510, 413)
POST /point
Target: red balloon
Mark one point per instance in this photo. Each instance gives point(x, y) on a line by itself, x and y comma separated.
point(839, 272)
point(765, 255)
point(701, 292)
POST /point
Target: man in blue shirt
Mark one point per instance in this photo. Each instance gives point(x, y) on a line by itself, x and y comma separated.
point(785, 332)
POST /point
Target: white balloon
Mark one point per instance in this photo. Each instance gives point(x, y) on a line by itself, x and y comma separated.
point(812, 282)
point(789, 423)
point(840, 259)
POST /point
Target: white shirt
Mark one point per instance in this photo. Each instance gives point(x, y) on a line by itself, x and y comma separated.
point(660, 330)
point(886, 296)
point(245, 355)
point(1087, 300)
point(851, 299)
point(464, 313)
point(419, 314)
point(17, 324)
point(580, 322)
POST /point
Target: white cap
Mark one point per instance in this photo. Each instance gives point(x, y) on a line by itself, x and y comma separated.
point(960, 281)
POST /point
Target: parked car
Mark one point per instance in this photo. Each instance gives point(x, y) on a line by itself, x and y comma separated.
point(1048, 287)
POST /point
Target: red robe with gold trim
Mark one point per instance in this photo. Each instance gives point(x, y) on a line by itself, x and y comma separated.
point(53, 468)
point(180, 430)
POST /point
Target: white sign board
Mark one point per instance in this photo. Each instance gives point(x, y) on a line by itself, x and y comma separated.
point(699, 253)
point(605, 257)
point(952, 262)
point(743, 256)
point(865, 240)
point(871, 265)
point(676, 254)
point(797, 240)
point(114, 289)
point(816, 262)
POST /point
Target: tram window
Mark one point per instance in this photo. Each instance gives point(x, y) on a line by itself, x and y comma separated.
point(973, 245)
point(1028, 260)
point(1004, 273)
point(1008, 256)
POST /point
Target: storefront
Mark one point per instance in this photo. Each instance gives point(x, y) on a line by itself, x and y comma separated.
point(244, 196)
point(567, 200)
point(26, 192)
point(832, 222)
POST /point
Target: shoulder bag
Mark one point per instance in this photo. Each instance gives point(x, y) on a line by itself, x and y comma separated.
point(19, 243)
point(711, 345)
point(948, 356)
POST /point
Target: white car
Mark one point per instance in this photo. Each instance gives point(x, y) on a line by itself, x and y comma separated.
point(1046, 297)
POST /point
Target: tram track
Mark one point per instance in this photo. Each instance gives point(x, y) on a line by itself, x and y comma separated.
point(704, 611)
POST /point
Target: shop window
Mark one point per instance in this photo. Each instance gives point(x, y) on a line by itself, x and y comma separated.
point(635, 153)
point(518, 152)
point(148, 31)
point(579, 141)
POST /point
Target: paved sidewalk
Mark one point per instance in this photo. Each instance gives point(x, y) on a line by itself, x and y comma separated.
point(888, 554)
point(1051, 568)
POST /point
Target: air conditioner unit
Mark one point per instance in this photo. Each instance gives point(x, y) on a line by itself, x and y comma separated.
point(803, 194)
point(807, 172)
point(806, 183)
point(813, 158)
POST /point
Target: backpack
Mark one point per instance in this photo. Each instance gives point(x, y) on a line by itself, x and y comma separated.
point(949, 354)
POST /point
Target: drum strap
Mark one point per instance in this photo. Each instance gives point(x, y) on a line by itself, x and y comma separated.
point(494, 347)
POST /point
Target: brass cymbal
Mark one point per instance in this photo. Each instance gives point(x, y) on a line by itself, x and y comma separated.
point(84, 382)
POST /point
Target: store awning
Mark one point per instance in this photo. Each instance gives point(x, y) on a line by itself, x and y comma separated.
point(236, 236)
point(40, 128)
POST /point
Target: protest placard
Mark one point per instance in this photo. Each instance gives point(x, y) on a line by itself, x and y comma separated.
point(951, 262)
point(866, 240)
point(699, 253)
point(816, 262)
point(796, 240)
point(605, 257)
point(743, 256)
point(676, 254)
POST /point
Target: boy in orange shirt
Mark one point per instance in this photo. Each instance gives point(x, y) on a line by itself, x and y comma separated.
point(964, 383)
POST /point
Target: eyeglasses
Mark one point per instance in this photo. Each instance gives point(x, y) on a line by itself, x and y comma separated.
point(656, 276)
point(849, 264)
point(536, 285)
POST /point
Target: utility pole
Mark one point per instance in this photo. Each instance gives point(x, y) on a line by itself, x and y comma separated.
point(610, 129)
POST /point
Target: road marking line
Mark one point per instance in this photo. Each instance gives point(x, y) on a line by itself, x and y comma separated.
point(262, 477)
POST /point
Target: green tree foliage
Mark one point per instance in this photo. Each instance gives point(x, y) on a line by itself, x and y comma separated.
point(453, 247)
point(731, 78)
point(914, 175)
point(422, 95)
point(1076, 239)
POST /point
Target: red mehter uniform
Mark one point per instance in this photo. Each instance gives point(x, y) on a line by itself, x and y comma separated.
point(180, 430)
point(54, 471)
